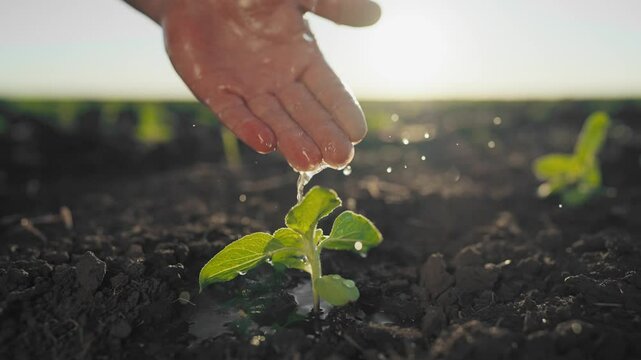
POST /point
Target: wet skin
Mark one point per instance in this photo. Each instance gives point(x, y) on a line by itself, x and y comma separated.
point(255, 64)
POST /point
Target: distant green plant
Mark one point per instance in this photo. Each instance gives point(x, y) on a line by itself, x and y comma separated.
point(576, 177)
point(298, 246)
point(153, 126)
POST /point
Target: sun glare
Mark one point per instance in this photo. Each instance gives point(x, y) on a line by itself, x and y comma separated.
point(410, 52)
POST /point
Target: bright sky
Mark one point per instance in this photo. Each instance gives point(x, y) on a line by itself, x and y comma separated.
point(421, 49)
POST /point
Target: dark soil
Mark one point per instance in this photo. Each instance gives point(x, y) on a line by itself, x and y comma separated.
point(473, 265)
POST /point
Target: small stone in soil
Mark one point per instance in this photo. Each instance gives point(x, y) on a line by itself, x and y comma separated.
point(434, 320)
point(434, 276)
point(90, 271)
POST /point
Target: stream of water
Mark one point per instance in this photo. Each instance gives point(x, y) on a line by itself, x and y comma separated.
point(304, 177)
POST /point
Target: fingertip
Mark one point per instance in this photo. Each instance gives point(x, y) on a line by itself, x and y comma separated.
point(257, 136)
point(303, 159)
point(371, 13)
point(338, 154)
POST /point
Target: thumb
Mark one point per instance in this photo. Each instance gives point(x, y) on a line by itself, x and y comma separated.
point(345, 12)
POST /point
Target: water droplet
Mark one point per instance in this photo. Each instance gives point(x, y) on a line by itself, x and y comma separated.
point(405, 166)
point(394, 117)
point(405, 141)
point(389, 170)
point(560, 206)
point(242, 273)
point(497, 121)
point(256, 340)
point(423, 157)
point(193, 125)
point(349, 283)
point(576, 328)
point(491, 144)
point(347, 171)
point(426, 135)
point(269, 261)
point(544, 320)
point(457, 144)
point(242, 198)
point(358, 246)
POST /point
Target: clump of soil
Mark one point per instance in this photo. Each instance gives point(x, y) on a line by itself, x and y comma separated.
point(473, 265)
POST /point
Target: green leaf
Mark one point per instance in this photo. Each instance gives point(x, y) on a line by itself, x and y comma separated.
point(353, 232)
point(592, 137)
point(315, 205)
point(238, 257)
point(553, 165)
point(336, 290)
point(289, 249)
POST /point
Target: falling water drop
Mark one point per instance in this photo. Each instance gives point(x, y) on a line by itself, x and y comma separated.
point(497, 121)
point(560, 206)
point(423, 157)
point(347, 171)
point(491, 144)
point(389, 170)
point(405, 166)
point(242, 198)
point(394, 117)
point(405, 141)
point(426, 135)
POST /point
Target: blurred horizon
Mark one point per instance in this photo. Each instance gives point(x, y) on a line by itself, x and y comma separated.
point(421, 50)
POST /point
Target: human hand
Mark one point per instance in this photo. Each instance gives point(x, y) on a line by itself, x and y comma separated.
point(256, 64)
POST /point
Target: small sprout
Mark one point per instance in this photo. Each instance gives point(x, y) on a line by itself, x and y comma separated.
point(298, 246)
point(576, 177)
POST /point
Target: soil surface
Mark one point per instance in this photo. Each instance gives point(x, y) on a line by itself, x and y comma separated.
point(473, 265)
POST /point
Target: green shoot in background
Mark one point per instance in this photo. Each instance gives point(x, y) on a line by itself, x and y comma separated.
point(575, 177)
point(298, 246)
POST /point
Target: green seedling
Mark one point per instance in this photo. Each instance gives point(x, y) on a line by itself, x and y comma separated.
point(298, 246)
point(575, 177)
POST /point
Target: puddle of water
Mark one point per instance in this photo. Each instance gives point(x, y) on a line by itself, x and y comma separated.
point(210, 322)
point(305, 300)
point(259, 308)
